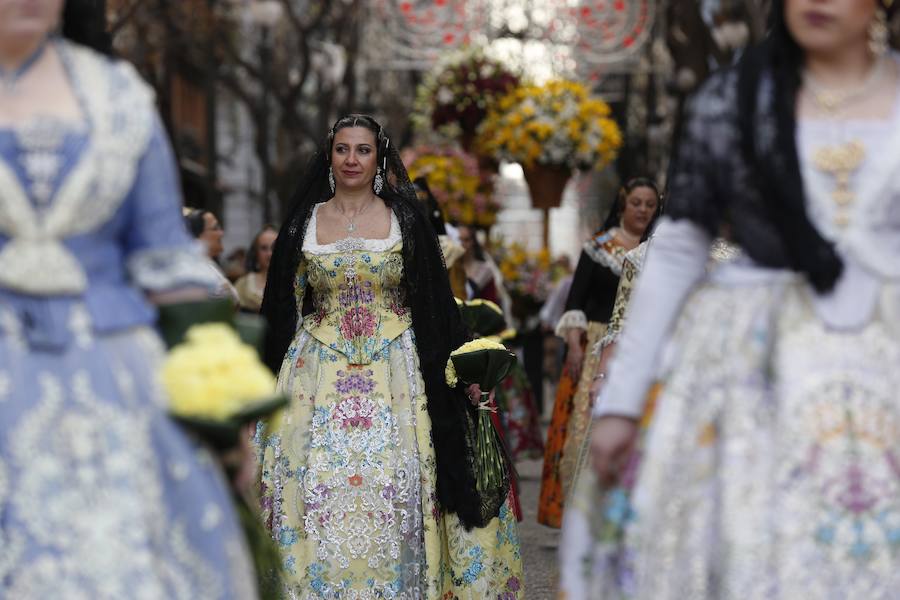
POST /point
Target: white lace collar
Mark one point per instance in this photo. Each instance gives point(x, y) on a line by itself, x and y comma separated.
point(349, 244)
point(119, 110)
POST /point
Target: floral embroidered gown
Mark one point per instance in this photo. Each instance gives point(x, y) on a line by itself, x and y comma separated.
point(348, 474)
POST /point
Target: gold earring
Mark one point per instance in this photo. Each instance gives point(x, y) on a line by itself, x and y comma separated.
point(878, 33)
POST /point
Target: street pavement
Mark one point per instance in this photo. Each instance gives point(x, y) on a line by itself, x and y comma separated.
point(539, 543)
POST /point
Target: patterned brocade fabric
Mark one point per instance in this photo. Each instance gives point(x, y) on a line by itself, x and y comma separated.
point(359, 301)
point(348, 474)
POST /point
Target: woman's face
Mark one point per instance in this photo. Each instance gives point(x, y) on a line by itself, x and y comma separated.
point(828, 26)
point(640, 206)
point(354, 158)
point(264, 245)
point(24, 20)
point(466, 239)
point(212, 235)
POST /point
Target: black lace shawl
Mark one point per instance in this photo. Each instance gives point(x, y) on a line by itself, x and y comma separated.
point(737, 174)
point(436, 324)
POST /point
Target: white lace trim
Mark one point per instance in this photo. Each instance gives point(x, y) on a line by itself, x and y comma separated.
point(637, 255)
point(571, 319)
point(163, 269)
point(599, 255)
point(35, 261)
point(349, 244)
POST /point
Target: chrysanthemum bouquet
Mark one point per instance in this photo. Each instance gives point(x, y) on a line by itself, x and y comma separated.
point(557, 124)
point(486, 363)
point(216, 385)
point(213, 374)
point(464, 193)
point(484, 319)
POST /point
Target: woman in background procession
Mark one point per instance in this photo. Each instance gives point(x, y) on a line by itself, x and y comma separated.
point(368, 481)
point(250, 287)
point(205, 227)
point(769, 470)
point(101, 495)
point(588, 310)
point(481, 281)
point(594, 521)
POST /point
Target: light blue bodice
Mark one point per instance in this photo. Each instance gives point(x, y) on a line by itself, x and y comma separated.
point(122, 222)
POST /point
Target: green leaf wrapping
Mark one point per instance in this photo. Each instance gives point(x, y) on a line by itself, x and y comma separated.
point(492, 472)
point(482, 319)
point(487, 368)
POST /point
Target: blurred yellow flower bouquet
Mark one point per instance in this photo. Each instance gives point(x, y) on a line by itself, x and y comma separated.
point(528, 276)
point(217, 385)
point(216, 382)
point(558, 123)
point(464, 193)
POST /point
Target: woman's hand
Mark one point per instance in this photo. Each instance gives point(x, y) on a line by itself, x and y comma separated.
point(612, 440)
point(574, 354)
point(240, 462)
point(600, 374)
point(474, 394)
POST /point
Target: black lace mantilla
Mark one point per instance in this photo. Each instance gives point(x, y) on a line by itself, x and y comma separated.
point(713, 183)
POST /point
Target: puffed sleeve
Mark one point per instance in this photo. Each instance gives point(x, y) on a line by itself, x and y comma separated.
point(160, 254)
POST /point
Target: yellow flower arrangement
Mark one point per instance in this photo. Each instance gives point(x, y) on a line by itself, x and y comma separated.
point(528, 275)
point(214, 375)
point(463, 192)
point(558, 123)
point(473, 346)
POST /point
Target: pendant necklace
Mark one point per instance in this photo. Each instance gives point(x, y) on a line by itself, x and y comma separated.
point(841, 161)
point(351, 226)
point(9, 79)
point(833, 100)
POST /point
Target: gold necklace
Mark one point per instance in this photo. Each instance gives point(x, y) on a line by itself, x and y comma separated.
point(832, 100)
point(628, 237)
point(841, 161)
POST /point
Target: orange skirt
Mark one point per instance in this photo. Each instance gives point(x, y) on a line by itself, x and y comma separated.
point(570, 418)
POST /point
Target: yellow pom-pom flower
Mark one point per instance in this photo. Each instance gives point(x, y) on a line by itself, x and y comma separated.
point(213, 374)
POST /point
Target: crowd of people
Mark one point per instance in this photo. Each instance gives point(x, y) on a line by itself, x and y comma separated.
point(725, 424)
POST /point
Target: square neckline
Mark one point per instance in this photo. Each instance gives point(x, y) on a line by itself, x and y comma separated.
point(311, 238)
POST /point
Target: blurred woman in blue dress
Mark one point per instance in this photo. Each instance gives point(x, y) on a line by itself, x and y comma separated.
point(101, 495)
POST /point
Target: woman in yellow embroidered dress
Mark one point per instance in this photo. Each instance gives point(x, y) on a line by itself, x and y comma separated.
point(367, 480)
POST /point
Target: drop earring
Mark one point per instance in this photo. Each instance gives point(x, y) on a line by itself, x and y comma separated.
point(331, 180)
point(378, 182)
point(878, 33)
